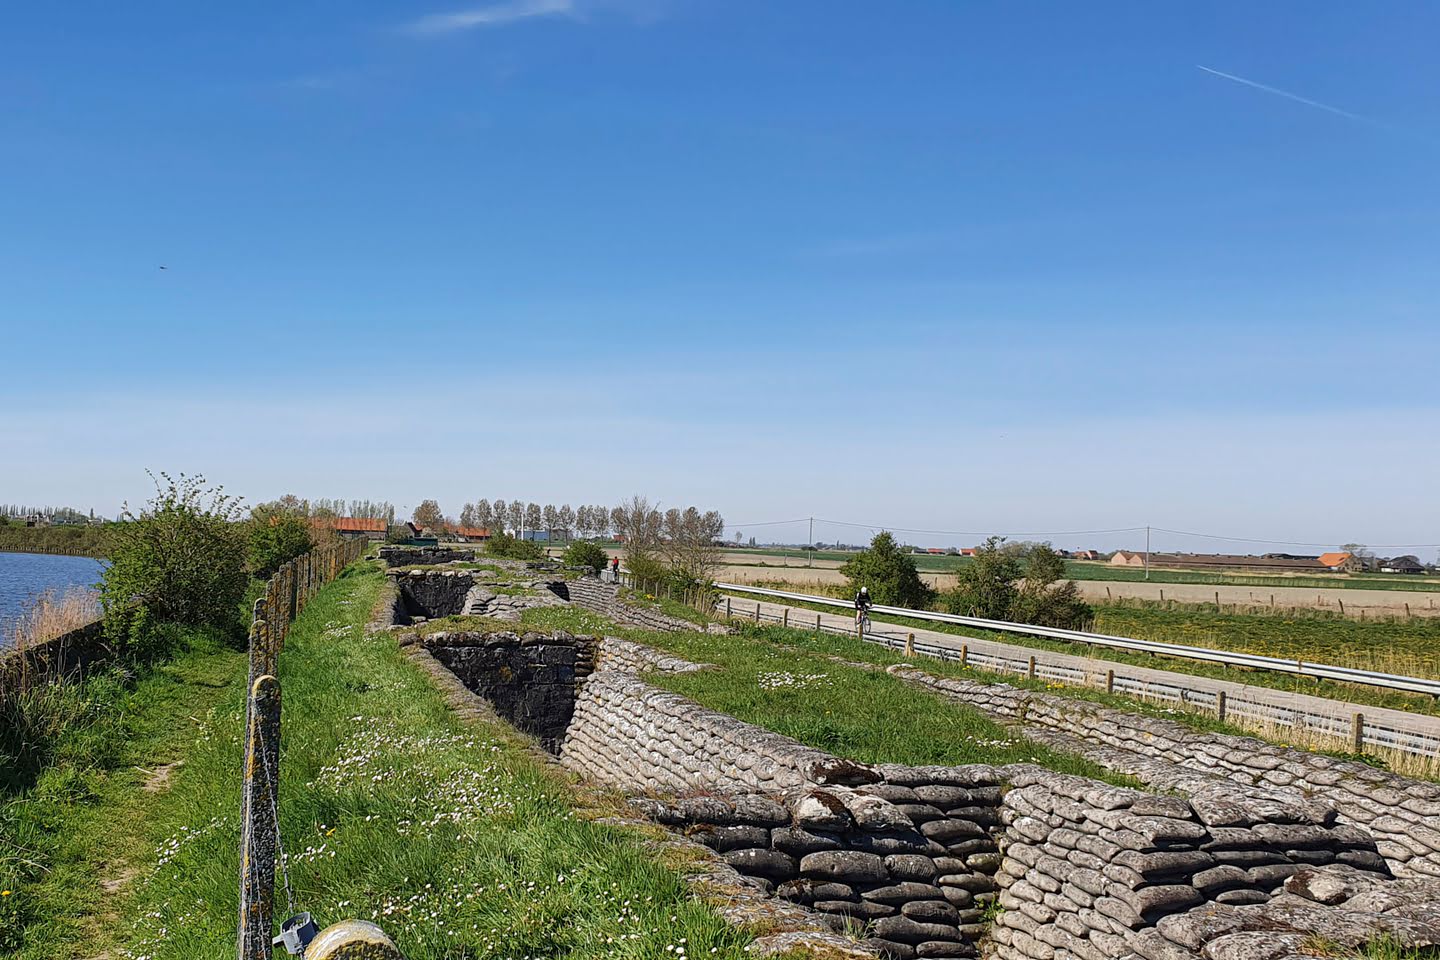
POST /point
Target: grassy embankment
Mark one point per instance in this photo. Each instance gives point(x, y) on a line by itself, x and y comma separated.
point(1410, 647)
point(451, 835)
point(75, 541)
point(782, 681)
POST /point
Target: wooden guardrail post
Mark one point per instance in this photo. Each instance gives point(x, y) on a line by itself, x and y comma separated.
point(1109, 681)
point(1031, 672)
point(964, 654)
point(727, 608)
point(1220, 706)
point(757, 611)
point(785, 618)
point(1357, 733)
point(817, 624)
point(909, 644)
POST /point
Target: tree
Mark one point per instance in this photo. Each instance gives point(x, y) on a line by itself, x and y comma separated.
point(1020, 587)
point(586, 553)
point(688, 543)
point(180, 559)
point(484, 516)
point(533, 517)
point(467, 515)
point(428, 514)
point(567, 519)
point(551, 518)
point(502, 544)
point(889, 573)
point(275, 535)
point(501, 512)
point(516, 515)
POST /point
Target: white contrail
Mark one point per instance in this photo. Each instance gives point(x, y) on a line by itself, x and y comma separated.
point(1289, 96)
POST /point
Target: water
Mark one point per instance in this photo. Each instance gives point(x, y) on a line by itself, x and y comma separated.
point(23, 575)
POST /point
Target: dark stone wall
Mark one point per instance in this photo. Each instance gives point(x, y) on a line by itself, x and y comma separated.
point(70, 655)
point(530, 679)
point(414, 556)
point(432, 594)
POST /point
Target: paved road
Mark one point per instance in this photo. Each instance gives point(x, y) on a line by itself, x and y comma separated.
point(1245, 703)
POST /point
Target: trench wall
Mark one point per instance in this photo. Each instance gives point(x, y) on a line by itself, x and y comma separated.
point(415, 556)
point(915, 858)
point(70, 654)
point(604, 598)
point(1403, 815)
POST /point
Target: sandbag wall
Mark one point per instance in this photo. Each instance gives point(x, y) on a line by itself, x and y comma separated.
point(1089, 869)
point(1403, 815)
point(595, 595)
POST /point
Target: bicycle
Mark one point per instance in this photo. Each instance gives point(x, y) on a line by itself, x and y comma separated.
point(862, 621)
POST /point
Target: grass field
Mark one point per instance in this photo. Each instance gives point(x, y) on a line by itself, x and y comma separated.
point(1103, 572)
point(450, 835)
point(1410, 647)
point(784, 681)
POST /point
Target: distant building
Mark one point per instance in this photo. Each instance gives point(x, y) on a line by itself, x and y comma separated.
point(967, 551)
point(1268, 563)
point(1127, 558)
point(1086, 555)
point(1341, 561)
point(1405, 564)
point(473, 534)
point(354, 528)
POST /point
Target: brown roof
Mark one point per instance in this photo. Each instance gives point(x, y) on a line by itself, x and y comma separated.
point(473, 532)
point(356, 525)
point(1334, 559)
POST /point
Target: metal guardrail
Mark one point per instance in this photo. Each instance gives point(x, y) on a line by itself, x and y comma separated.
point(1357, 729)
point(1389, 681)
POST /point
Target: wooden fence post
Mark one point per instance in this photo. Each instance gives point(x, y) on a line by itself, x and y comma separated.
point(1357, 733)
point(909, 644)
point(259, 831)
point(785, 618)
point(727, 608)
point(1031, 672)
point(1109, 681)
point(757, 611)
point(1220, 706)
point(817, 624)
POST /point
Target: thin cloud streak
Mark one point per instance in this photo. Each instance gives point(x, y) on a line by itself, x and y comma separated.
point(1290, 96)
point(497, 15)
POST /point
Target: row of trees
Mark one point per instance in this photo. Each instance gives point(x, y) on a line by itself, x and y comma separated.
point(585, 521)
point(679, 548)
point(1017, 582)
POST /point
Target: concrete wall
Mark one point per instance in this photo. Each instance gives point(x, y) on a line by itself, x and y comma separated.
point(70, 654)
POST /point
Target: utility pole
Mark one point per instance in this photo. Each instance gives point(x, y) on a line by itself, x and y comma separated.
point(811, 562)
point(1147, 551)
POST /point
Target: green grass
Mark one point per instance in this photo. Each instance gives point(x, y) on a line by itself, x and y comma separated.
point(70, 826)
point(452, 837)
point(779, 680)
point(1408, 647)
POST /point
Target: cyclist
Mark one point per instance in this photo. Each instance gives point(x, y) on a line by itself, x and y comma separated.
point(862, 610)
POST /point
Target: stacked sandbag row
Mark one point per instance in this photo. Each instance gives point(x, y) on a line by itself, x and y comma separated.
point(1402, 814)
point(907, 864)
point(631, 657)
point(629, 734)
point(1335, 908)
point(1088, 866)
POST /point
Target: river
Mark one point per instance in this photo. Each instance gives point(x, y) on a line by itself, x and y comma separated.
point(23, 575)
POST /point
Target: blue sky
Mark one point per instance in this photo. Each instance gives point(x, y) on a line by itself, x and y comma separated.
point(944, 265)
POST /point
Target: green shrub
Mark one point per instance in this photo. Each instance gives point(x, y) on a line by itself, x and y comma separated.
point(502, 544)
point(1021, 587)
point(586, 553)
point(180, 560)
point(889, 573)
point(647, 572)
point(274, 536)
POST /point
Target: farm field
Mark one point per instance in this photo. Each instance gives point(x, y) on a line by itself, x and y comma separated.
point(1386, 602)
point(1102, 572)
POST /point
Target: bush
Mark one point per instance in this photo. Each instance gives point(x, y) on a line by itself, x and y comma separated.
point(586, 553)
point(275, 536)
point(889, 573)
point(647, 572)
point(992, 587)
point(502, 544)
point(181, 560)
